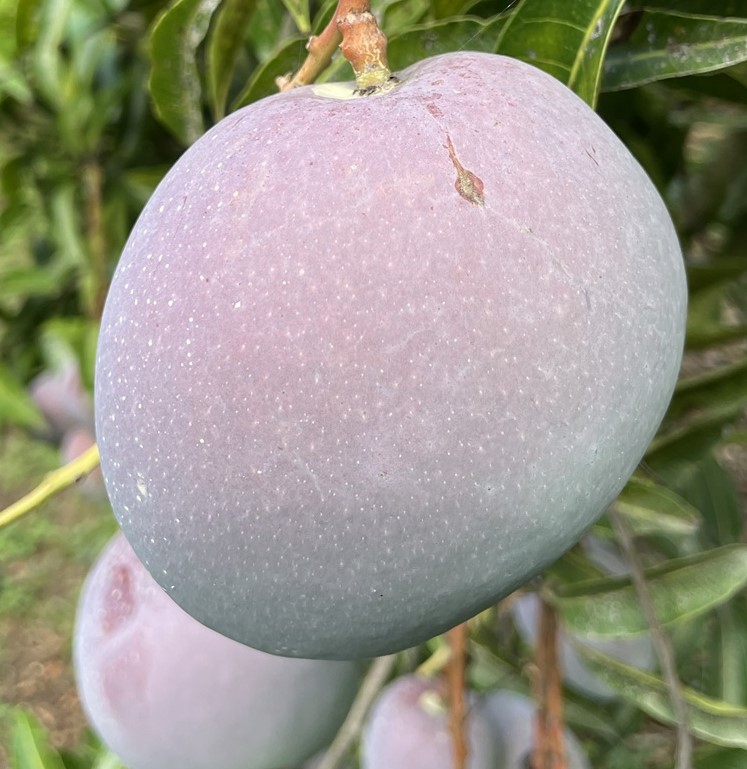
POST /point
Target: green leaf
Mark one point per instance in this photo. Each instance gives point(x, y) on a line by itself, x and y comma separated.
point(224, 45)
point(287, 59)
point(26, 13)
point(402, 14)
point(709, 318)
point(174, 79)
point(723, 390)
point(703, 276)
point(299, 11)
point(730, 657)
point(49, 69)
point(30, 748)
point(669, 44)
point(680, 589)
point(721, 758)
point(654, 509)
point(712, 720)
point(568, 40)
point(434, 38)
point(713, 491)
point(16, 408)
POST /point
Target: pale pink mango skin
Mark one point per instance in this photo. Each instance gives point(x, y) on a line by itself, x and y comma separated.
point(409, 728)
point(343, 404)
point(164, 691)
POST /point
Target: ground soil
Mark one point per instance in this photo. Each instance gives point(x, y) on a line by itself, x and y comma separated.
point(43, 560)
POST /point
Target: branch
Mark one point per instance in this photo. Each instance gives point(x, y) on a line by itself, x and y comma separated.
point(549, 747)
point(456, 684)
point(354, 29)
point(661, 642)
point(54, 482)
point(374, 681)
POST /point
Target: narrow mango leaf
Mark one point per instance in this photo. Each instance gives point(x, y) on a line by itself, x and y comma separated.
point(654, 509)
point(680, 589)
point(402, 14)
point(299, 11)
point(174, 83)
point(16, 408)
point(107, 760)
point(442, 9)
point(26, 11)
point(700, 277)
point(568, 40)
point(724, 8)
point(49, 69)
point(712, 720)
point(712, 489)
point(674, 454)
point(30, 747)
point(224, 44)
point(434, 38)
point(723, 389)
point(286, 60)
point(669, 44)
point(730, 659)
point(721, 758)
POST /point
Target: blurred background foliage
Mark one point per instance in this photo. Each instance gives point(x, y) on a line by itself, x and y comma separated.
point(97, 100)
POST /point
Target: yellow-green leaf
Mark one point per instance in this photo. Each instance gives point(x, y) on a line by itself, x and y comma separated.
point(680, 589)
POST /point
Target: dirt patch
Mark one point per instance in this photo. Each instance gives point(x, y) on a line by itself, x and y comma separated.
point(43, 560)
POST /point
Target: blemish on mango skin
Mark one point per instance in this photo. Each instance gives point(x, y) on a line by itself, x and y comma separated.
point(467, 184)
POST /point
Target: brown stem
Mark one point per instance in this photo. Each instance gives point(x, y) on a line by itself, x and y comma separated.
point(456, 684)
point(549, 746)
point(354, 29)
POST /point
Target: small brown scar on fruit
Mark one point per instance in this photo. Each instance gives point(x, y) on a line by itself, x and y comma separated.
point(467, 184)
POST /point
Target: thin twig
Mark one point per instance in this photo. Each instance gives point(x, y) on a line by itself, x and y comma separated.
point(355, 30)
point(457, 706)
point(55, 481)
point(322, 47)
point(373, 682)
point(549, 746)
point(661, 642)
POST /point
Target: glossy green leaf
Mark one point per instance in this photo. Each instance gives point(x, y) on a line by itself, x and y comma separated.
point(174, 79)
point(712, 720)
point(224, 45)
point(671, 44)
point(434, 38)
point(651, 508)
point(680, 589)
point(287, 59)
point(442, 9)
point(299, 12)
point(30, 748)
point(568, 40)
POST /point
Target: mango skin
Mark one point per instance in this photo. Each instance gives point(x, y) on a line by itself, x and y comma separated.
point(163, 691)
point(367, 365)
